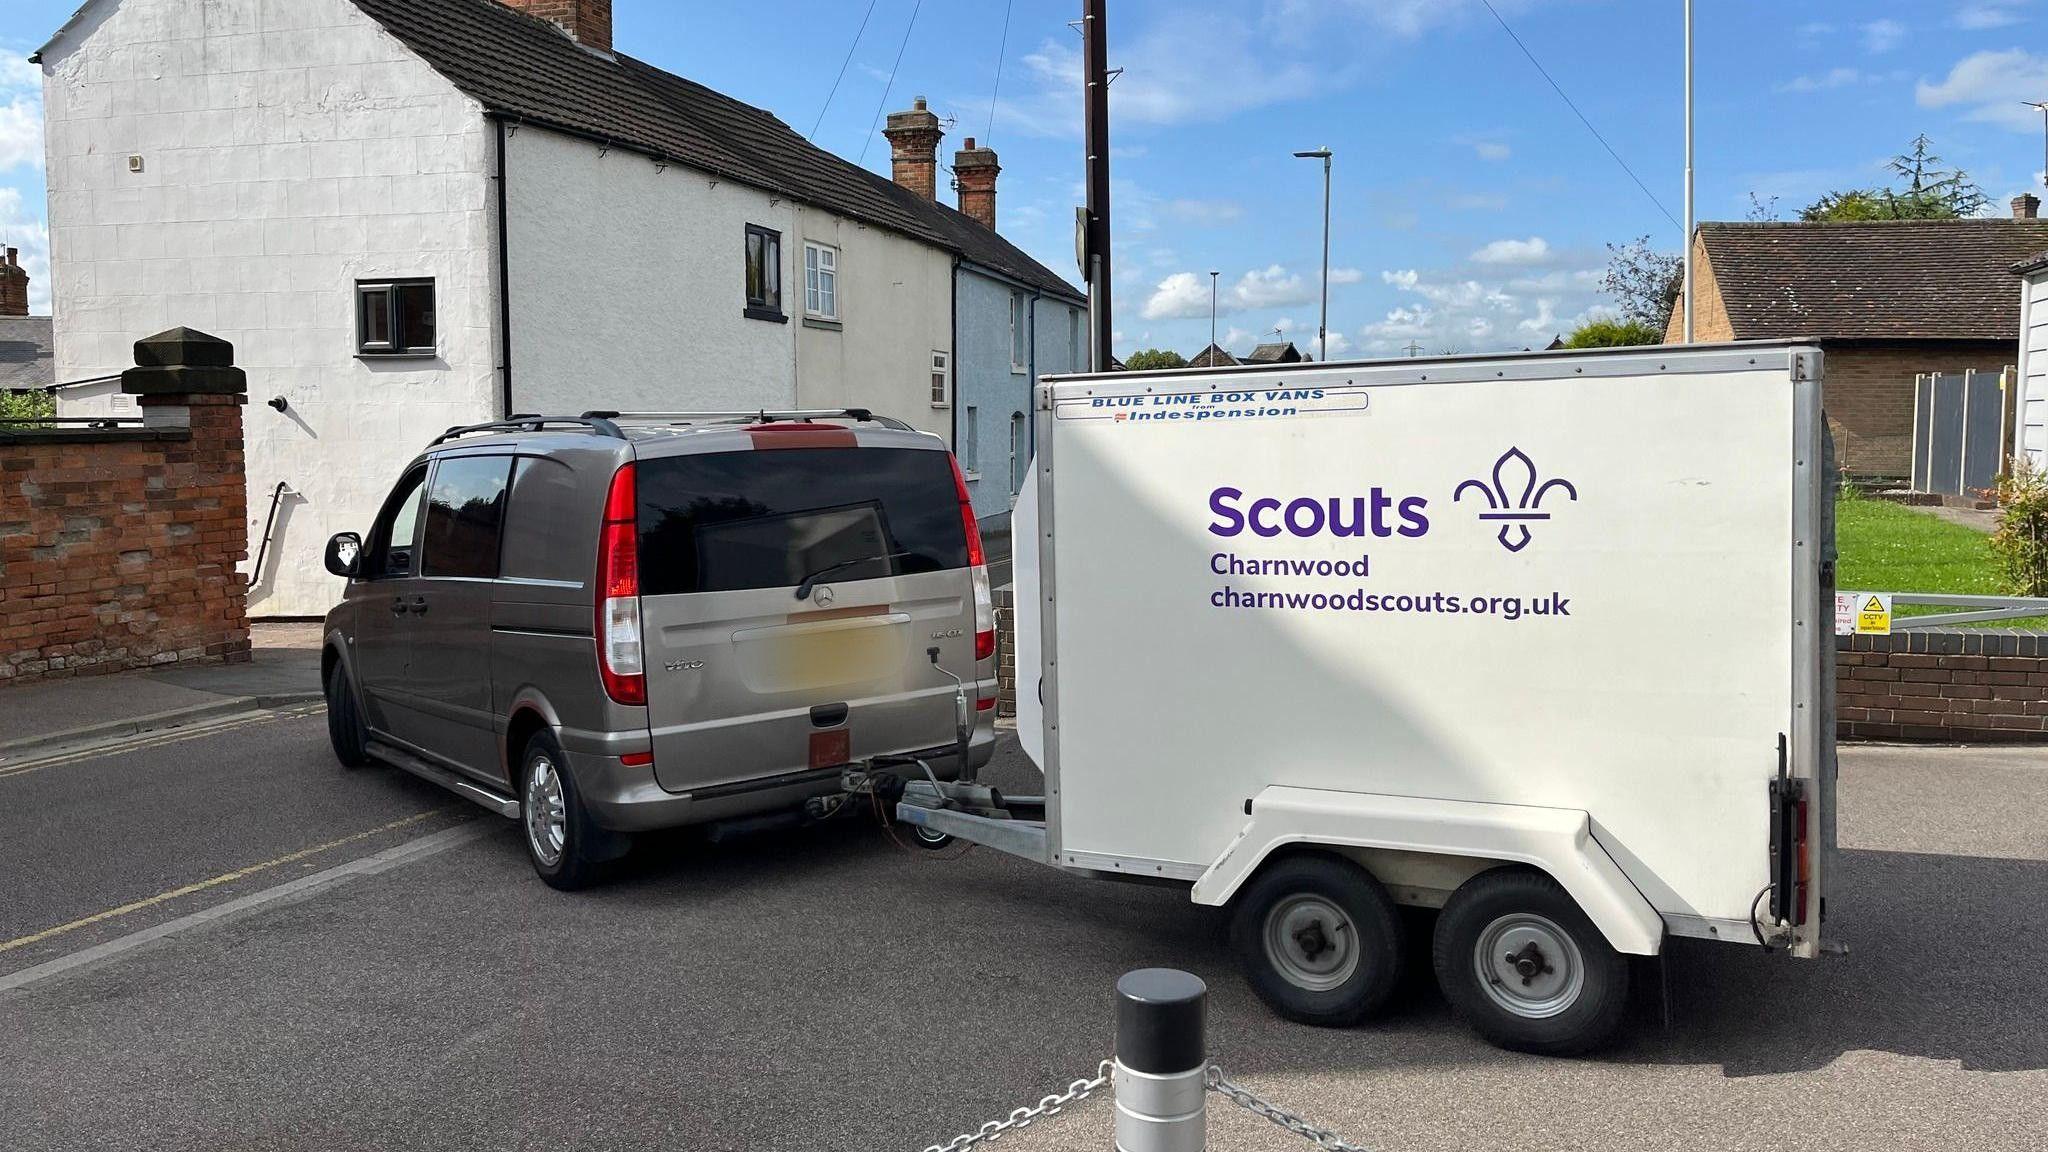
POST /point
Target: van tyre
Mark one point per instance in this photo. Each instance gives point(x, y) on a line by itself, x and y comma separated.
point(1525, 968)
point(557, 830)
point(1319, 939)
point(344, 722)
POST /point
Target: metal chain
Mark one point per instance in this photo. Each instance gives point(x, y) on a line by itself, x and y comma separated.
point(1019, 1117)
point(1244, 1098)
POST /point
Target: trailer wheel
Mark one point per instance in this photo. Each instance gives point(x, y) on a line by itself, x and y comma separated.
point(1319, 940)
point(1523, 966)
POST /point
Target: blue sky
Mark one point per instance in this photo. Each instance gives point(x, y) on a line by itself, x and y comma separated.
point(1471, 207)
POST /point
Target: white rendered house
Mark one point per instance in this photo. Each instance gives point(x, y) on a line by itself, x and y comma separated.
point(412, 214)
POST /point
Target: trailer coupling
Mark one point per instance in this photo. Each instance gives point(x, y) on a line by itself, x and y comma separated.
point(964, 809)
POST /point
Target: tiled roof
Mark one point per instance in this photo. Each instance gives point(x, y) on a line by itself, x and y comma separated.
point(25, 353)
point(1280, 353)
point(1212, 357)
point(528, 69)
point(1885, 280)
point(2031, 264)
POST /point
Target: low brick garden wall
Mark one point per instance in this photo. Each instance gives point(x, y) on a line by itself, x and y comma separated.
point(118, 546)
point(1965, 686)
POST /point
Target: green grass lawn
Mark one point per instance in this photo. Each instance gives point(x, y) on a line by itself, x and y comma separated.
point(1886, 547)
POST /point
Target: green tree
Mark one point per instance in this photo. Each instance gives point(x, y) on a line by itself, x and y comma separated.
point(1644, 283)
point(1931, 192)
point(1614, 334)
point(26, 406)
point(1151, 358)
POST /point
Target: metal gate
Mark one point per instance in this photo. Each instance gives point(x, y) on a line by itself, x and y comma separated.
point(1962, 425)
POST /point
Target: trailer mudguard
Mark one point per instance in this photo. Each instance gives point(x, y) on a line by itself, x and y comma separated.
point(1559, 841)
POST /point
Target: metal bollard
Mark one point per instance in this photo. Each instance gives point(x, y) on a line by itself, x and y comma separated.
point(1161, 1061)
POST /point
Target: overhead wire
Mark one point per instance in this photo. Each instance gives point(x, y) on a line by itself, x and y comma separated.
point(842, 69)
point(1002, 49)
point(1569, 103)
point(886, 88)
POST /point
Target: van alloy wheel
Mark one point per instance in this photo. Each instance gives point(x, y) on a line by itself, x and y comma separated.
point(1529, 966)
point(1311, 942)
point(546, 812)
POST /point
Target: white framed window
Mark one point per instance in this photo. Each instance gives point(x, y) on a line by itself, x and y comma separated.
point(970, 441)
point(821, 281)
point(942, 379)
point(1020, 332)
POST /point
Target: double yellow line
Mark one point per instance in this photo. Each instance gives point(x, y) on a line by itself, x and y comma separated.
point(157, 739)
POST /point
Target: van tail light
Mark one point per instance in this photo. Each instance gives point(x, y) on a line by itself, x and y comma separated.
point(977, 563)
point(620, 660)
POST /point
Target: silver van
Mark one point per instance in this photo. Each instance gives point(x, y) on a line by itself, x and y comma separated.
point(607, 624)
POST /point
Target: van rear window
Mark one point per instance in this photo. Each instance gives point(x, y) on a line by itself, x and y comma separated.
point(728, 521)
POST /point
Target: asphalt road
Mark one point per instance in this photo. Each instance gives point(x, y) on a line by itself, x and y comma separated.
point(826, 989)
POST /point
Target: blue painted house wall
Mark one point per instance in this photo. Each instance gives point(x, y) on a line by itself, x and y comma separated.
point(989, 395)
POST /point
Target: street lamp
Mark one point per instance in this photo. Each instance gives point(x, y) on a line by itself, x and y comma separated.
point(1323, 325)
point(1213, 274)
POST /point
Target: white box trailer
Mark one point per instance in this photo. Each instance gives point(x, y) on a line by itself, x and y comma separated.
point(1544, 641)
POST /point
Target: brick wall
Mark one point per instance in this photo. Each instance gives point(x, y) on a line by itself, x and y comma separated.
point(1868, 392)
point(118, 546)
point(1963, 686)
point(1006, 651)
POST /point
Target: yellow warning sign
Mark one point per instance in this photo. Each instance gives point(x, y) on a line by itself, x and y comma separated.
point(1874, 615)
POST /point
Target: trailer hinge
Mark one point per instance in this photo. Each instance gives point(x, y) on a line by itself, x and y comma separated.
point(1789, 861)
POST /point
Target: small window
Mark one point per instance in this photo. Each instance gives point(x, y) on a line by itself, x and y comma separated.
point(1019, 332)
point(764, 274)
point(465, 506)
point(942, 379)
point(821, 281)
point(395, 318)
point(970, 440)
point(1020, 453)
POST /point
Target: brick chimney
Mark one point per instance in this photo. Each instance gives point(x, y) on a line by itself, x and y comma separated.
point(974, 174)
point(588, 21)
point(13, 285)
point(2026, 206)
point(914, 149)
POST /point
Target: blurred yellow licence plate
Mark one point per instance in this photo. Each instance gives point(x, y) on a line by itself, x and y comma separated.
point(833, 656)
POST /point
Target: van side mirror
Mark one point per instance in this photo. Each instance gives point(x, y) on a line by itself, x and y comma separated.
point(345, 554)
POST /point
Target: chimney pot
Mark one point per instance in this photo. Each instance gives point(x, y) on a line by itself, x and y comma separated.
point(589, 22)
point(914, 148)
point(2026, 206)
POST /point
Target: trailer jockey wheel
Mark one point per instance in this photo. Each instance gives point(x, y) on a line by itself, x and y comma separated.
point(928, 838)
point(1319, 939)
point(1525, 968)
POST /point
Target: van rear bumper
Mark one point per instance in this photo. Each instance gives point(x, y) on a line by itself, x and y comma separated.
point(626, 798)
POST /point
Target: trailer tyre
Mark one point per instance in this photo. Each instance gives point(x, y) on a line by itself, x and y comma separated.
point(1525, 968)
point(1319, 940)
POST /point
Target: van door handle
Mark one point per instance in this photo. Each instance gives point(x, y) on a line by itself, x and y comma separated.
point(398, 605)
point(419, 605)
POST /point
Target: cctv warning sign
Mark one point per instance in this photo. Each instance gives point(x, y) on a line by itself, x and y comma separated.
point(1863, 614)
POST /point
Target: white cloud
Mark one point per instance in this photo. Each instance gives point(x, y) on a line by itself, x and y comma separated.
point(1236, 337)
point(1346, 276)
point(1881, 36)
point(19, 228)
point(1832, 78)
point(1204, 213)
point(21, 114)
point(1992, 85)
point(1338, 343)
point(1534, 250)
point(1185, 295)
point(1492, 150)
point(1450, 311)
point(1988, 15)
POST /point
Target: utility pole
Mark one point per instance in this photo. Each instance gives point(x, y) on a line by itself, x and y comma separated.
point(1688, 172)
point(2043, 106)
point(1323, 325)
point(1095, 50)
point(1413, 349)
point(1213, 274)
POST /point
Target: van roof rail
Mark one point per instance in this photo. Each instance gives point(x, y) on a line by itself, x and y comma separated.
point(755, 416)
point(532, 422)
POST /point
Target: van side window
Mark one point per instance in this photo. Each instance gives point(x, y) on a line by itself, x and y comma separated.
point(465, 507)
point(394, 537)
point(539, 545)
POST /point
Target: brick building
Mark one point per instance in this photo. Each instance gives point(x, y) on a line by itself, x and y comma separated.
point(1888, 300)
